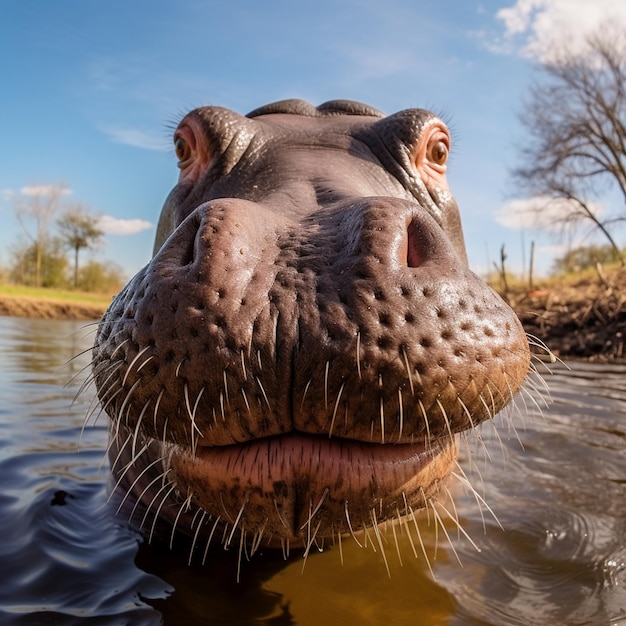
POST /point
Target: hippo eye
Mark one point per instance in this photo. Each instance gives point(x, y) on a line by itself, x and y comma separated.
point(438, 152)
point(182, 149)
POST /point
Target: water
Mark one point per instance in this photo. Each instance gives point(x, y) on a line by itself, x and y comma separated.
point(556, 482)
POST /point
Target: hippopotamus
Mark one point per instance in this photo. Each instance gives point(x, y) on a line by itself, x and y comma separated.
point(297, 360)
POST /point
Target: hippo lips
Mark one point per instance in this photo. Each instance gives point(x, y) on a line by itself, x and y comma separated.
point(311, 480)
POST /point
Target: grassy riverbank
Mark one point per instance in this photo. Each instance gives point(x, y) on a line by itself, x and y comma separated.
point(577, 316)
point(20, 301)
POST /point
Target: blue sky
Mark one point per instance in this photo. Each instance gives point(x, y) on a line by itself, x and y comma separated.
point(91, 90)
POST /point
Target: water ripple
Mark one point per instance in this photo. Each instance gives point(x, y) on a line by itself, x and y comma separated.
point(555, 478)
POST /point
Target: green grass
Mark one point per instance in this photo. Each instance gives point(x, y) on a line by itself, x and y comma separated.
point(55, 294)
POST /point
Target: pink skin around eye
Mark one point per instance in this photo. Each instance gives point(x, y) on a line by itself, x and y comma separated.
point(198, 153)
point(432, 173)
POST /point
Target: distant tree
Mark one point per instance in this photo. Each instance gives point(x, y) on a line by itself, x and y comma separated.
point(100, 277)
point(582, 258)
point(78, 229)
point(575, 117)
point(38, 204)
point(52, 270)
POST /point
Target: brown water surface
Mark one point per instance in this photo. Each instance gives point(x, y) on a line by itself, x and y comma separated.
point(556, 482)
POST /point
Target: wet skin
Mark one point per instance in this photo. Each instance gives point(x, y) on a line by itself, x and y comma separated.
point(298, 357)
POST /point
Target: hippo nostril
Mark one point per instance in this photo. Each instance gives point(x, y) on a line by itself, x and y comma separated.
point(414, 256)
point(424, 241)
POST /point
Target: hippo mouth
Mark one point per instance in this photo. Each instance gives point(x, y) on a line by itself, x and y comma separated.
point(303, 487)
point(299, 356)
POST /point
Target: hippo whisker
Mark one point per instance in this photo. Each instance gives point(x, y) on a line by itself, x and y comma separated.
point(313, 512)
point(160, 477)
point(258, 537)
point(445, 418)
point(150, 358)
point(408, 370)
point(197, 533)
point(326, 371)
point(132, 363)
point(222, 407)
point(158, 510)
point(237, 520)
point(226, 388)
point(156, 410)
point(90, 380)
point(208, 541)
point(455, 518)
point(393, 522)
point(536, 342)
point(306, 389)
point(466, 411)
point(534, 393)
point(180, 364)
point(126, 401)
point(379, 539)
point(136, 431)
point(358, 543)
point(400, 414)
point(107, 399)
point(461, 476)
point(422, 408)
point(245, 399)
point(185, 506)
point(115, 461)
point(382, 421)
point(243, 365)
point(192, 416)
point(129, 491)
point(310, 541)
point(419, 536)
point(438, 520)
point(278, 513)
point(258, 380)
point(69, 383)
point(332, 421)
point(119, 345)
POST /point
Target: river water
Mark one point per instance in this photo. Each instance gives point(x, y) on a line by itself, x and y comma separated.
point(555, 552)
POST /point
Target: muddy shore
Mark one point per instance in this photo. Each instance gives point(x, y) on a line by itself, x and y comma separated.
point(583, 318)
point(48, 308)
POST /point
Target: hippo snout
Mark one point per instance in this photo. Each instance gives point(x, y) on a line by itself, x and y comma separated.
point(308, 315)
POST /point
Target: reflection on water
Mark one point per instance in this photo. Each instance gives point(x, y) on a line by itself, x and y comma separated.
point(556, 482)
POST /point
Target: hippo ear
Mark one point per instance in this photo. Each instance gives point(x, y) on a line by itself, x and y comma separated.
point(302, 107)
point(221, 126)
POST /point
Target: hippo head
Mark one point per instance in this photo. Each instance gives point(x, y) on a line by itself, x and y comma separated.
point(298, 357)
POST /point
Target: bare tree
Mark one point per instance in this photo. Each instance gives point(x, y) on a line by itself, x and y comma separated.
point(78, 230)
point(38, 204)
point(576, 121)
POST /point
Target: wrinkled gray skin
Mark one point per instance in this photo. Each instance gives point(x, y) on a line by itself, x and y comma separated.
point(297, 358)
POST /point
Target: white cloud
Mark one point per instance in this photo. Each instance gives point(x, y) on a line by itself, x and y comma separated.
point(137, 138)
point(45, 190)
point(113, 226)
point(542, 28)
point(539, 212)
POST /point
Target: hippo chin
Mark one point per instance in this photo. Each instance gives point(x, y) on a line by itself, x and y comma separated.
point(298, 357)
